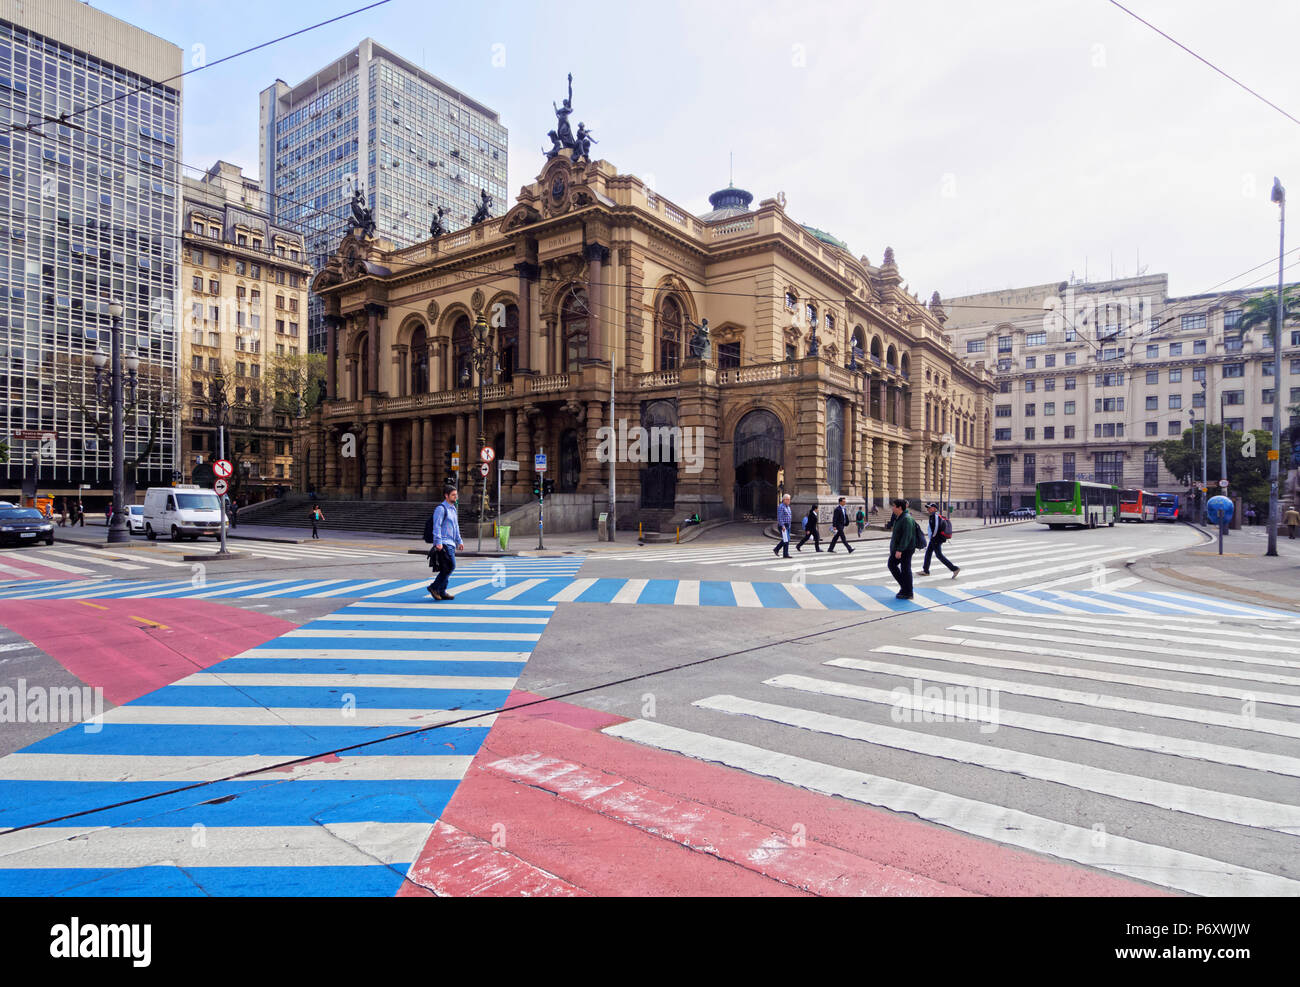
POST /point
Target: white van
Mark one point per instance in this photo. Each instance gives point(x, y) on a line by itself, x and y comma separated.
point(185, 510)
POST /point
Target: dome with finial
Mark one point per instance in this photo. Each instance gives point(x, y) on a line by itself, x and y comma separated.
point(727, 203)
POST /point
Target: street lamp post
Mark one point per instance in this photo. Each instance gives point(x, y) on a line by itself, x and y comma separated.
point(483, 356)
point(221, 406)
point(1275, 451)
point(117, 529)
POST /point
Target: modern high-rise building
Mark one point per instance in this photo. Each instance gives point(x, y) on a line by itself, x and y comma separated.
point(1091, 375)
point(373, 120)
point(88, 215)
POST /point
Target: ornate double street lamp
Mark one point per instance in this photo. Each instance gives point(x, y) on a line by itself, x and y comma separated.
point(482, 356)
point(117, 529)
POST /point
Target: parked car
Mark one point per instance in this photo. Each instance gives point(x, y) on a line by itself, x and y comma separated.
point(1023, 512)
point(183, 511)
point(21, 525)
point(135, 519)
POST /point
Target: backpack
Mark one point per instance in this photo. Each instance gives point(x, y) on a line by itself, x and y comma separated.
point(428, 525)
point(945, 528)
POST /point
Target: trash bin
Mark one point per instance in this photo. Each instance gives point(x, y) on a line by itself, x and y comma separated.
point(503, 535)
point(602, 527)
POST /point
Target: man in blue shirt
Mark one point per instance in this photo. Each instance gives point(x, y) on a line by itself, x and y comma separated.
point(446, 542)
point(783, 521)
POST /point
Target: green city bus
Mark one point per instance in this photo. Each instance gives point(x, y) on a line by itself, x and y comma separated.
point(1062, 502)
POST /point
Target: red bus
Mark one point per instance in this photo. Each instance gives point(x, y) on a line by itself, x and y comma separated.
point(1137, 505)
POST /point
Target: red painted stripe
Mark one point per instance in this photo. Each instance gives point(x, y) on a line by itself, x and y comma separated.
point(581, 831)
point(101, 643)
point(456, 864)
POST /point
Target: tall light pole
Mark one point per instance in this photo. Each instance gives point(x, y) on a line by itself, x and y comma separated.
point(483, 356)
point(117, 529)
point(1275, 451)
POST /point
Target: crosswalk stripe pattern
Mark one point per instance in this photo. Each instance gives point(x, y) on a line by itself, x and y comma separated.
point(338, 822)
point(1104, 737)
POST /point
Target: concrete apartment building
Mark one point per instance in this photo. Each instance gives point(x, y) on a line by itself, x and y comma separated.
point(1090, 375)
point(242, 328)
point(372, 119)
point(89, 211)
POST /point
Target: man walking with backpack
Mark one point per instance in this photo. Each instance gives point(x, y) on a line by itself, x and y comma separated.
point(940, 532)
point(444, 531)
point(840, 521)
point(903, 542)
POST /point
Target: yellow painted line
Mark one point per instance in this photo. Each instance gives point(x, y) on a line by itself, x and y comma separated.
point(95, 605)
point(151, 623)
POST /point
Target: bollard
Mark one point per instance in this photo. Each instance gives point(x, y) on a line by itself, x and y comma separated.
point(638, 530)
point(679, 534)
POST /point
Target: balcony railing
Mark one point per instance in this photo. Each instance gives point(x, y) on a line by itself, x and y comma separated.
point(660, 378)
point(554, 382)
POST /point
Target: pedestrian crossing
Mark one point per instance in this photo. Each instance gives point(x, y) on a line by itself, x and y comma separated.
point(1078, 738)
point(324, 757)
point(984, 563)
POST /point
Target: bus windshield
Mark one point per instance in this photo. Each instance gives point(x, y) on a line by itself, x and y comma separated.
point(1128, 496)
point(1168, 500)
point(1059, 491)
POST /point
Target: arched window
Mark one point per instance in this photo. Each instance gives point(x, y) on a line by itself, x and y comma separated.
point(668, 334)
point(834, 444)
point(419, 361)
point(462, 367)
point(876, 352)
point(508, 344)
point(810, 312)
point(574, 321)
point(906, 366)
point(891, 358)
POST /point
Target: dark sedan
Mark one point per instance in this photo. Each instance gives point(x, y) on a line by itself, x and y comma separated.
point(19, 525)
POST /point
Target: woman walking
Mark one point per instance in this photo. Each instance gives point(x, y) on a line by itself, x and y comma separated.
point(316, 517)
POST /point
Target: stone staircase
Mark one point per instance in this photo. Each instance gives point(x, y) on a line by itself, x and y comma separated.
point(396, 517)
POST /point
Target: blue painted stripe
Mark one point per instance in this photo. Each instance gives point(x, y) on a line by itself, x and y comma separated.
point(276, 801)
point(176, 739)
point(198, 882)
point(716, 594)
point(1025, 606)
point(493, 610)
point(426, 623)
point(601, 591)
point(365, 666)
point(659, 591)
point(775, 595)
point(430, 643)
point(832, 598)
point(324, 697)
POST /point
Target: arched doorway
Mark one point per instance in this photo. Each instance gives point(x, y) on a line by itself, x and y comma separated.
point(759, 450)
point(659, 478)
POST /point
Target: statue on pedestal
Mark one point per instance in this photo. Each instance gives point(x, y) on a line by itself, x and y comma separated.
point(584, 142)
point(436, 229)
point(700, 345)
point(484, 206)
point(362, 216)
point(564, 132)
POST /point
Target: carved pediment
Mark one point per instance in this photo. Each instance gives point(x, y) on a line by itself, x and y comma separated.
point(520, 216)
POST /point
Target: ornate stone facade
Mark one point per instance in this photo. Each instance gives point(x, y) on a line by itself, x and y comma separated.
point(824, 375)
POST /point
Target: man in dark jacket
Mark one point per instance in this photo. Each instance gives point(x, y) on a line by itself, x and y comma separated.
point(810, 530)
point(902, 543)
point(940, 532)
point(839, 521)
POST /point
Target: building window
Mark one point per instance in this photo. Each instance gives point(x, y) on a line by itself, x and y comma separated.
point(974, 346)
point(1153, 376)
point(1004, 366)
point(1070, 358)
point(1002, 435)
point(1068, 431)
point(668, 334)
point(1175, 349)
point(1193, 322)
point(1198, 399)
point(728, 356)
point(1069, 383)
point(834, 444)
point(1004, 469)
point(1030, 409)
point(1004, 387)
point(1108, 467)
point(574, 321)
point(1031, 362)
point(1153, 428)
point(1151, 468)
point(1234, 370)
point(1269, 368)
point(1036, 339)
point(1067, 465)
point(1175, 402)
point(1198, 373)
point(1004, 344)
point(1002, 411)
point(1029, 386)
point(1198, 346)
point(1049, 408)
point(1175, 426)
point(1175, 376)
point(1031, 468)
point(1153, 402)
point(1231, 319)
point(1069, 408)
point(1049, 384)
point(1049, 431)
point(1153, 351)
point(462, 366)
point(1029, 434)
point(1049, 360)
point(1234, 397)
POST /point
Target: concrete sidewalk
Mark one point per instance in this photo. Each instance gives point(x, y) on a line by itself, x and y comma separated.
point(1243, 573)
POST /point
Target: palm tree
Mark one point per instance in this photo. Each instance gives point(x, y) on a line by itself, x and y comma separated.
point(1261, 311)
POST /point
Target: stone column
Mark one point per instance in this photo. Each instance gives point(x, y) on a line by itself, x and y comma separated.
point(428, 478)
point(399, 368)
point(508, 481)
point(524, 444)
point(373, 313)
point(463, 445)
point(896, 461)
point(331, 462)
point(351, 370)
point(434, 375)
point(374, 456)
point(882, 478)
point(868, 471)
point(415, 434)
point(848, 478)
point(528, 273)
point(389, 453)
point(332, 326)
point(597, 344)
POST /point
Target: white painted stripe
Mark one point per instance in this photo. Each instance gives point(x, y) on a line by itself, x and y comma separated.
point(1140, 707)
point(116, 586)
point(1240, 810)
point(369, 654)
point(140, 557)
point(991, 601)
point(873, 563)
point(803, 596)
point(472, 584)
point(994, 717)
point(1226, 604)
point(687, 593)
point(922, 599)
point(1157, 622)
point(347, 588)
point(1159, 865)
point(23, 573)
point(1084, 600)
point(235, 588)
point(1081, 560)
point(399, 589)
point(630, 591)
point(51, 564)
point(518, 589)
point(429, 606)
point(60, 591)
point(424, 635)
point(200, 767)
point(273, 586)
point(258, 716)
point(296, 590)
point(745, 594)
point(1146, 682)
point(321, 844)
point(100, 558)
point(862, 599)
point(360, 680)
point(434, 611)
point(1038, 601)
point(571, 592)
point(1246, 640)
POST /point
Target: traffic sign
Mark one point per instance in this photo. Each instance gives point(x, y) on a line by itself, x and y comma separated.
point(487, 454)
point(539, 463)
point(221, 486)
point(222, 468)
point(509, 465)
point(483, 469)
point(1223, 484)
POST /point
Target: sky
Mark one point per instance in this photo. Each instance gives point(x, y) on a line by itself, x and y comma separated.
point(992, 144)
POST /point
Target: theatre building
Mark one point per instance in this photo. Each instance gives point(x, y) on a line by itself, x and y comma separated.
point(819, 374)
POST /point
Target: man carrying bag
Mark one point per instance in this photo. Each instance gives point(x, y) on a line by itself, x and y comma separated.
point(840, 521)
point(443, 530)
point(905, 540)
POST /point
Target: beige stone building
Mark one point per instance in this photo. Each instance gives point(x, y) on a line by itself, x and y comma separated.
point(590, 275)
point(242, 323)
point(1090, 375)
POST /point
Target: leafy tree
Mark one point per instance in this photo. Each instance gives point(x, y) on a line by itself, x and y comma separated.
point(1247, 474)
point(1261, 311)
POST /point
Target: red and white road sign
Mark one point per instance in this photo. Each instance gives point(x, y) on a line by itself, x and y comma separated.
point(222, 468)
point(486, 454)
point(221, 486)
point(483, 469)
